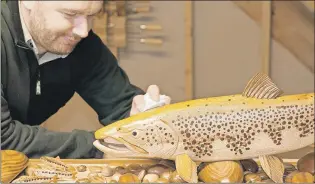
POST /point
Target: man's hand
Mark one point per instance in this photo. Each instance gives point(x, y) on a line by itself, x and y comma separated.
point(139, 100)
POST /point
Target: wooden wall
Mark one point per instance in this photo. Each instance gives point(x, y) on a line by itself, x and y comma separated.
point(227, 52)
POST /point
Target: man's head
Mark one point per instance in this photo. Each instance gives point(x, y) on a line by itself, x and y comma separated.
point(57, 26)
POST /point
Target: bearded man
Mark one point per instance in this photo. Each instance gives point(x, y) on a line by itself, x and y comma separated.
point(49, 52)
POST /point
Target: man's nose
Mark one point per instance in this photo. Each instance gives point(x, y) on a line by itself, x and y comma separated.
point(81, 27)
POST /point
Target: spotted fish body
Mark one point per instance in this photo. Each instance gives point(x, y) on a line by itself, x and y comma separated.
point(217, 131)
point(257, 122)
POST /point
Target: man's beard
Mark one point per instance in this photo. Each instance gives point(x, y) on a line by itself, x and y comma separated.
point(48, 39)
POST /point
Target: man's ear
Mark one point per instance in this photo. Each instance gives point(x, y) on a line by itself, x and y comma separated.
point(28, 4)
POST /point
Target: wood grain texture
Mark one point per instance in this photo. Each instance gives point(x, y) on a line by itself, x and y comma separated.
point(293, 27)
point(222, 172)
point(12, 164)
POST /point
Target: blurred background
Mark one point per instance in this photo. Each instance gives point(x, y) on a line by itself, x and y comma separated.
point(202, 49)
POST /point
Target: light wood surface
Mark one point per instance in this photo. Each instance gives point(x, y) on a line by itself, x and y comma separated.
point(188, 50)
point(266, 35)
point(293, 27)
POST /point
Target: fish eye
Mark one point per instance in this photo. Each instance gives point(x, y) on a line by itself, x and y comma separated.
point(134, 133)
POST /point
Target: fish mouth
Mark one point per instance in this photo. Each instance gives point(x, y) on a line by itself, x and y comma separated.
point(117, 146)
point(113, 144)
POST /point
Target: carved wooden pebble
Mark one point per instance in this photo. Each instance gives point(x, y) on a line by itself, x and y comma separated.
point(81, 168)
point(249, 165)
point(151, 178)
point(134, 168)
point(107, 171)
point(121, 170)
point(221, 172)
point(262, 175)
point(252, 178)
point(128, 178)
point(12, 164)
point(299, 177)
point(175, 178)
point(158, 169)
point(306, 163)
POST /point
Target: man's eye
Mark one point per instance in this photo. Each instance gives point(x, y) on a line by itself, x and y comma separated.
point(69, 14)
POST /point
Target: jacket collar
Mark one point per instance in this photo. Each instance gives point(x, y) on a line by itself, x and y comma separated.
point(14, 9)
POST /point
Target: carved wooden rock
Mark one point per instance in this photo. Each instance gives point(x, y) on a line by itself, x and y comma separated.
point(223, 171)
point(306, 163)
point(12, 164)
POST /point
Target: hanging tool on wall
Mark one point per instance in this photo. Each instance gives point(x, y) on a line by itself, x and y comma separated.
point(114, 40)
point(143, 27)
point(121, 8)
point(116, 29)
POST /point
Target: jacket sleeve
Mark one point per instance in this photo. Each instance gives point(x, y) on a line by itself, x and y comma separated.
point(105, 86)
point(36, 141)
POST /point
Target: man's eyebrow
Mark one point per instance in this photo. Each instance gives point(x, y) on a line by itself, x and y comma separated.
point(79, 11)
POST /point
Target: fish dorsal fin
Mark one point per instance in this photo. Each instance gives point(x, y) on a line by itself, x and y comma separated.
point(261, 87)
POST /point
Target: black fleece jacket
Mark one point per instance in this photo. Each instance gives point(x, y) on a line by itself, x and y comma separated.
point(91, 70)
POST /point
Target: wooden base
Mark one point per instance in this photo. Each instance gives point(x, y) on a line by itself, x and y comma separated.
point(122, 162)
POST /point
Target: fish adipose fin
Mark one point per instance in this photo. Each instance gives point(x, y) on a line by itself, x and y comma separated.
point(186, 168)
point(262, 87)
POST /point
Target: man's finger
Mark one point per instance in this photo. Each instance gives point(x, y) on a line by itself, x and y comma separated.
point(137, 104)
point(154, 92)
point(167, 100)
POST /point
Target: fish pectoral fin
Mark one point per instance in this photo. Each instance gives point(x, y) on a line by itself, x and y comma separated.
point(262, 87)
point(273, 167)
point(186, 168)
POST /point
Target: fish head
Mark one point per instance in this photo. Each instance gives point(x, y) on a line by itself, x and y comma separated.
point(147, 138)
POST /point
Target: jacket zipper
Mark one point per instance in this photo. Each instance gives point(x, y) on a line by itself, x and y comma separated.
point(38, 82)
point(38, 85)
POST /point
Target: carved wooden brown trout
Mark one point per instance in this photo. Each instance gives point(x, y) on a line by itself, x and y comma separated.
point(257, 122)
